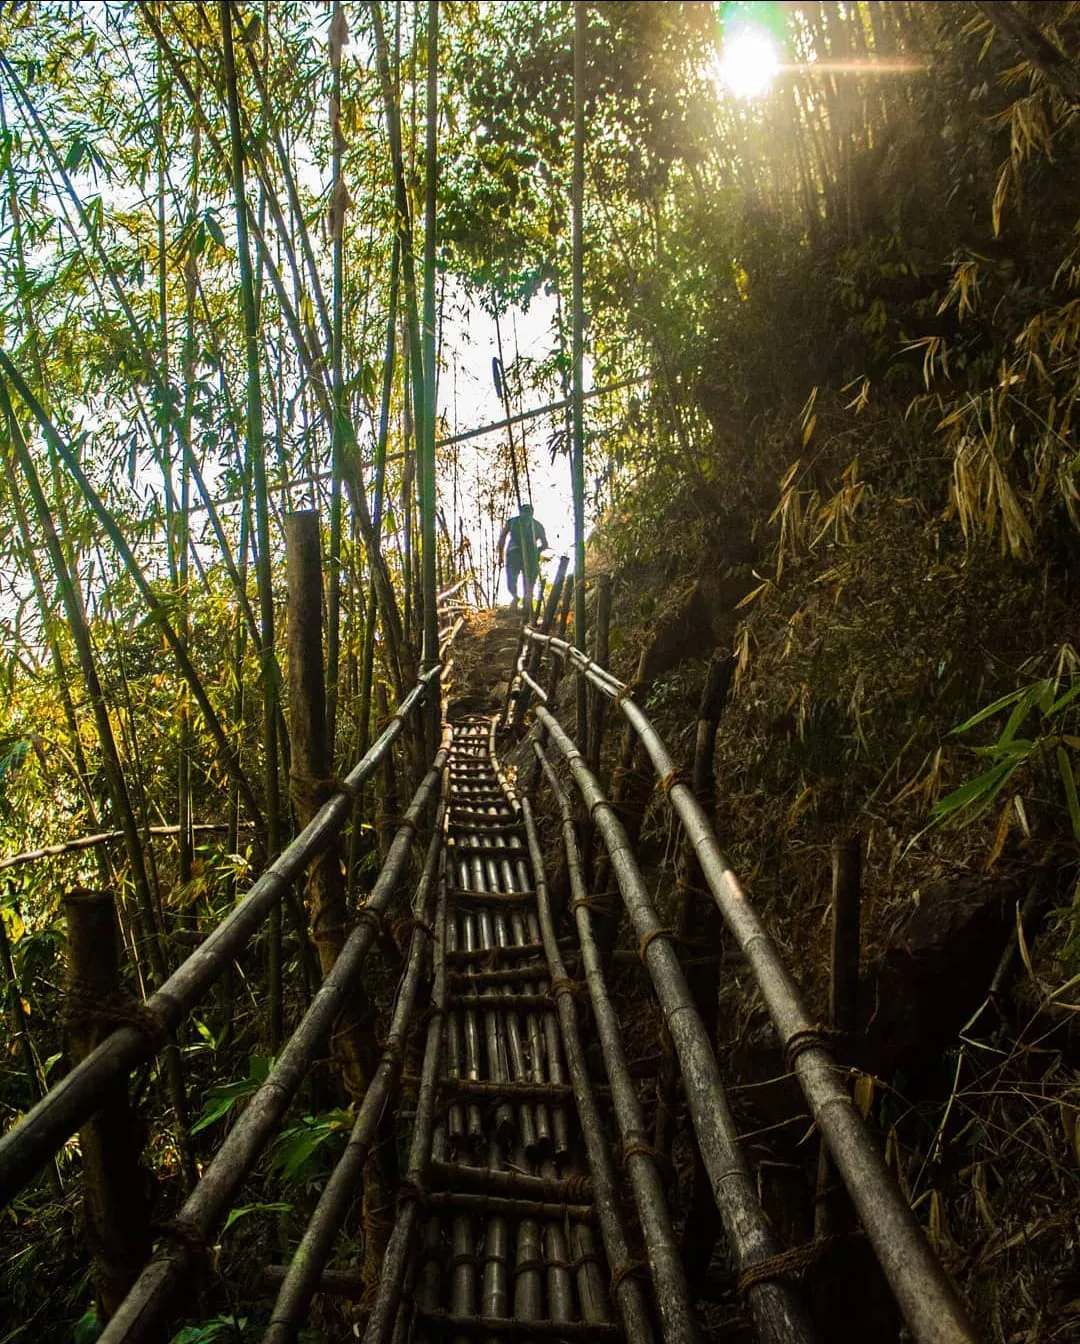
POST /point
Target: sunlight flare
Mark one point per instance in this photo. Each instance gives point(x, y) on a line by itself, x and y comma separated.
point(748, 63)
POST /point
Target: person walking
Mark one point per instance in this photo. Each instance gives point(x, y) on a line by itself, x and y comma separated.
point(525, 540)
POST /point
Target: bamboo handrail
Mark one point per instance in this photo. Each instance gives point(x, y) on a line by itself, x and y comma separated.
point(139, 1317)
point(49, 1124)
point(777, 1312)
point(671, 1293)
point(304, 1271)
point(922, 1289)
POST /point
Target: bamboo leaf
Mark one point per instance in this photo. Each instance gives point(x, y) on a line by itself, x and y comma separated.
point(1068, 779)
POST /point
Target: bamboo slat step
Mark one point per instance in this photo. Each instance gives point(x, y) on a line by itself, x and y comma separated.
point(464, 816)
point(462, 894)
point(493, 955)
point(498, 1325)
point(503, 1206)
point(488, 827)
point(469, 850)
point(533, 971)
point(521, 1002)
point(491, 1181)
point(498, 1091)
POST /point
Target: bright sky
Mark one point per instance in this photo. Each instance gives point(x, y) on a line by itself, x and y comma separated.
point(467, 399)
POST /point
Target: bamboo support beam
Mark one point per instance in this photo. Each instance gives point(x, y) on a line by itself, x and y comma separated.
point(926, 1297)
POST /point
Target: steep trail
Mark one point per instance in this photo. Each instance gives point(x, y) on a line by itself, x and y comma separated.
point(512, 1241)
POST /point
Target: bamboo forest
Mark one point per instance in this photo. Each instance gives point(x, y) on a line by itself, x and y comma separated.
point(539, 688)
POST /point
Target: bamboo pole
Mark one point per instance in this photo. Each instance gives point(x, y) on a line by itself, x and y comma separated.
point(669, 1282)
point(384, 1309)
point(116, 1217)
point(926, 1296)
point(777, 1312)
point(312, 779)
point(24, 1149)
point(141, 1315)
point(427, 440)
point(302, 1277)
point(339, 36)
point(256, 451)
point(577, 456)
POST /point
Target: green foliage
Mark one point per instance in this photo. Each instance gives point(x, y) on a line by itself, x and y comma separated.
point(220, 1100)
point(1054, 714)
point(304, 1152)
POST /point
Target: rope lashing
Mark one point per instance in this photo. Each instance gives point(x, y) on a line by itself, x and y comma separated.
point(784, 1264)
point(180, 1234)
point(583, 902)
point(808, 1038)
point(673, 777)
point(625, 1271)
point(661, 931)
point(84, 1005)
point(637, 1146)
point(309, 792)
point(562, 985)
point(627, 691)
point(407, 924)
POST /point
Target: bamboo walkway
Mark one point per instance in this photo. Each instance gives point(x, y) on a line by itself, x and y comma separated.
point(533, 1205)
point(499, 1229)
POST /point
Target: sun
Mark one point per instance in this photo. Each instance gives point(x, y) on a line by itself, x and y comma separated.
point(748, 63)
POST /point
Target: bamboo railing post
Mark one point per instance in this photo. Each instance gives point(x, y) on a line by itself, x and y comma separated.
point(311, 781)
point(832, 1209)
point(115, 1213)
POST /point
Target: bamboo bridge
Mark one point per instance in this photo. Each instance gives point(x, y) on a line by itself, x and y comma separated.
point(533, 1204)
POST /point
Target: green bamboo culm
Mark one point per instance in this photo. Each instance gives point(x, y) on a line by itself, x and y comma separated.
point(257, 458)
point(581, 20)
point(427, 442)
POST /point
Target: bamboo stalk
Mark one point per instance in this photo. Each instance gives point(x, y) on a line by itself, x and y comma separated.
point(24, 1149)
point(577, 457)
point(388, 1296)
point(776, 1311)
point(918, 1281)
point(256, 452)
point(669, 1281)
point(302, 1278)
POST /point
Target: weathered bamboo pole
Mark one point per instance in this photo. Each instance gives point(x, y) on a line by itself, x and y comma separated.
point(602, 633)
point(302, 1277)
point(339, 36)
point(426, 444)
point(116, 1220)
point(24, 1149)
point(384, 1310)
point(777, 1312)
point(141, 1315)
point(927, 1299)
point(669, 1282)
point(831, 1207)
point(312, 780)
